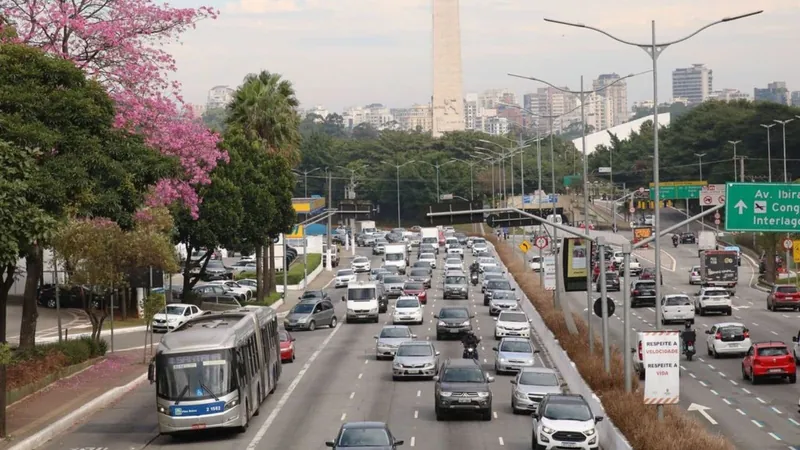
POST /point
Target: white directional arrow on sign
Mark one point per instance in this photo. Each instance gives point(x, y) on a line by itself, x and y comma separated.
point(703, 411)
point(741, 206)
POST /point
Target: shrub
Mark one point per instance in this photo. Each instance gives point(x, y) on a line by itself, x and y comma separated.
point(29, 366)
point(637, 421)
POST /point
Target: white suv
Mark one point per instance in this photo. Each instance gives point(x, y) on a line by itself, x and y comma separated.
point(714, 299)
point(728, 338)
point(565, 421)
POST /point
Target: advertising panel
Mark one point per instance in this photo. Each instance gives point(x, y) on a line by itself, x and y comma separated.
point(576, 254)
point(641, 233)
point(661, 354)
point(550, 272)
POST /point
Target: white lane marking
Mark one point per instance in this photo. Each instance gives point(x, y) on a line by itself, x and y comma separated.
point(500, 439)
point(285, 398)
point(692, 375)
point(755, 324)
point(494, 413)
point(775, 436)
point(711, 367)
point(413, 441)
point(727, 402)
point(419, 393)
point(761, 401)
point(703, 383)
point(740, 412)
point(794, 422)
point(366, 361)
point(777, 411)
point(484, 360)
point(746, 391)
point(360, 375)
point(722, 374)
point(701, 359)
point(712, 391)
point(757, 423)
point(773, 332)
point(343, 416)
point(352, 394)
point(682, 367)
point(784, 315)
point(734, 382)
point(416, 414)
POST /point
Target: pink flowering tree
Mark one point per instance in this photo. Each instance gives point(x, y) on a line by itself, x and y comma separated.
point(120, 43)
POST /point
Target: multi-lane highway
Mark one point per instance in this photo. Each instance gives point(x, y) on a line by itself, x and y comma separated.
point(763, 416)
point(335, 379)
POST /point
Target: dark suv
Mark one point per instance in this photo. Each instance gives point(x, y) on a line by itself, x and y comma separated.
point(453, 321)
point(643, 291)
point(462, 386)
point(495, 285)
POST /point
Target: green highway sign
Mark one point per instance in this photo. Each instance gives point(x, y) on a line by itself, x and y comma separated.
point(675, 190)
point(771, 207)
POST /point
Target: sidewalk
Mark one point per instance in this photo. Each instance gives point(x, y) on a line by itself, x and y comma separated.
point(39, 417)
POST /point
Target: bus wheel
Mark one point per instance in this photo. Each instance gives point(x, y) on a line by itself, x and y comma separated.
point(260, 399)
point(246, 414)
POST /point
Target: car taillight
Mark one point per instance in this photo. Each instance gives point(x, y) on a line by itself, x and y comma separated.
point(779, 295)
point(718, 336)
point(635, 292)
point(640, 352)
point(746, 334)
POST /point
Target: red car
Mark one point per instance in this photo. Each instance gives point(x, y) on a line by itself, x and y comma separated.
point(769, 359)
point(417, 289)
point(287, 346)
point(783, 297)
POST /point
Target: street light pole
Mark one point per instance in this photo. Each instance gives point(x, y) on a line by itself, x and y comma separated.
point(735, 172)
point(397, 168)
point(785, 179)
point(654, 50)
point(700, 164)
point(769, 149)
point(305, 179)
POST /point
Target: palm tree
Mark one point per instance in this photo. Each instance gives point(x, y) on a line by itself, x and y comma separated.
point(265, 108)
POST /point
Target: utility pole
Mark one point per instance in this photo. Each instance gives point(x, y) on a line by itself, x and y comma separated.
point(329, 261)
point(735, 172)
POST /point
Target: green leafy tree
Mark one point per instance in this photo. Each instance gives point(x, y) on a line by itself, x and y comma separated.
point(214, 119)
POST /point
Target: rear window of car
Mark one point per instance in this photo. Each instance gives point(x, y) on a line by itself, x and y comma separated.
point(773, 351)
point(678, 301)
point(787, 289)
point(646, 285)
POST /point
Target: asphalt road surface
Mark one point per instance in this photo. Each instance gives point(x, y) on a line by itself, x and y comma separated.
point(47, 323)
point(763, 416)
point(335, 379)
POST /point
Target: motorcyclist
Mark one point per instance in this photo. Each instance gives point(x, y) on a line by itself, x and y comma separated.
point(688, 335)
point(474, 267)
point(470, 340)
point(675, 239)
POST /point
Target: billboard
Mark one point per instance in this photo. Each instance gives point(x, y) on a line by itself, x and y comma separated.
point(641, 233)
point(576, 257)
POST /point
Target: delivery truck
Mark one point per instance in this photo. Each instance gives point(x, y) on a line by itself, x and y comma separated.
point(706, 240)
point(430, 235)
point(719, 268)
point(366, 227)
point(396, 255)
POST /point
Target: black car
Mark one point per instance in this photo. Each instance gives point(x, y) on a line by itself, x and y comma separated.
point(453, 321)
point(612, 282)
point(468, 388)
point(643, 292)
point(314, 295)
point(365, 435)
point(495, 285)
point(688, 238)
point(68, 296)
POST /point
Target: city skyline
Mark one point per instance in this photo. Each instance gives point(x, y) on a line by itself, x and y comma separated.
point(364, 50)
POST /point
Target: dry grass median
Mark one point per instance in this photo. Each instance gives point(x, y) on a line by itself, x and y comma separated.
point(637, 421)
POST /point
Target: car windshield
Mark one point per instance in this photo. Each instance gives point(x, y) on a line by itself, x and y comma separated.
point(413, 286)
point(364, 437)
point(538, 379)
point(360, 294)
point(283, 336)
point(195, 376)
point(453, 313)
point(455, 279)
point(773, 351)
point(500, 285)
point(303, 308)
point(419, 273)
point(414, 350)
point(344, 273)
point(695, 268)
point(395, 333)
point(463, 375)
point(393, 279)
point(360, 260)
point(512, 317)
point(174, 310)
point(678, 301)
point(516, 347)
point(478, 241)
point(486, 261)
point(407, 303)
point(493, 276)
point(568, 411)
point(504, 295)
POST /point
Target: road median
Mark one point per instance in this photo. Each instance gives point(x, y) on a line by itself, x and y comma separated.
point(635, 420)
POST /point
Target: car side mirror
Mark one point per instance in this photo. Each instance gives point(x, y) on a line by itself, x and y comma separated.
point(794, 338)
point(437, 353)
point(530, 320)
point(294, 339)
point(519, 300)
point(414, 336)
point(490, 379)
point(376, 336)
point(329, 444)
point(383, 259)
point(472, 316)
point(536, 351)
point(151, 373)
point(709, 332)
point(535, 415)
point(598, 419)
point(513, 381)
point(435, 316)
point(633, 350)
point(494, 348)
point(513, 289)
point(436, 378)
point(494, 318)
point(343, 299)
point(398, 442)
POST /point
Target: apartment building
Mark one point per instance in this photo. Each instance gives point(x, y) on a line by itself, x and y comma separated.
point(693, 83)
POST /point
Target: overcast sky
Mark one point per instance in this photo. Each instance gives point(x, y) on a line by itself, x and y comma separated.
point(341, 53)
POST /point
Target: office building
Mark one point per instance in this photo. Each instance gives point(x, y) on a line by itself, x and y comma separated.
point(775, 92)
point(219, 97)
point(692, 83)
point(611, 103)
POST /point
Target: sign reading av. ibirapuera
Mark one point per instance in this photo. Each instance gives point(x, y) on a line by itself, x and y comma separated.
point(769, 207)
point(661, 355)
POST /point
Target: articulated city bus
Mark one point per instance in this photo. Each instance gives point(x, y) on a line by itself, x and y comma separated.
point(216, 370)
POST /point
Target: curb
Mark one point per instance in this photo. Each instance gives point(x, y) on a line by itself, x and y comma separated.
point(66, 422)
point(125, 330)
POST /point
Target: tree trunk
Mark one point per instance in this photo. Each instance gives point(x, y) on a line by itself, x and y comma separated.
point(7, 282)
point(27, 329)
point(124, 303)
point(267, 267)
point(259, 274)
point(272, 267)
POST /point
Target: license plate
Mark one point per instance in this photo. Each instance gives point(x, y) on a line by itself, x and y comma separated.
point(198, 426)
point(362, 316)
point(464, 400)
point(412, 371)
point(454, 331)
point(568, 444)
point(775, 370)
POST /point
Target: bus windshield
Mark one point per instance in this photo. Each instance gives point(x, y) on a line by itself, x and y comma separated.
point(195, 376)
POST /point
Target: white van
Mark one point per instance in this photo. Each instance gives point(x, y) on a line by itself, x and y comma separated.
point(395, 255)
point(362, 302)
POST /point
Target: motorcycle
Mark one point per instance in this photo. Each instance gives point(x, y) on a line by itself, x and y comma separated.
point(470, 353)
point(675, 243)
point(689, 350)
point(474, 278)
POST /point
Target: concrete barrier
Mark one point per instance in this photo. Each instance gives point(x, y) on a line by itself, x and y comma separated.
point(302, 285)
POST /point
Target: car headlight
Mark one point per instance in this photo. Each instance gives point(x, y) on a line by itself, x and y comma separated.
point(303, 319)
point(530, 361)
point(590, 432)
point(172, 320)
point(351, 310)
point(465, 324)
point(373, 310)
point(547, 430)
point(397, 366)
point(445, 394)
point(520, 395)
point(484, 394)
point(442, 324)
point(502, 360)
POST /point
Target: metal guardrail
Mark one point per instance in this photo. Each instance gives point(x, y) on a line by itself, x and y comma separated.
point(610, 436)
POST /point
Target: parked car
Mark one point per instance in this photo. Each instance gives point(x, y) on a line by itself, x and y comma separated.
point(174, 315)
point(68, 296)
point(236, 288)
point(217, 270)
point(769, 360)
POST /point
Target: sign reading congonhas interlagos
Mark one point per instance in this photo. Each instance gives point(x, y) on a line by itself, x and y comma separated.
point(661, 355)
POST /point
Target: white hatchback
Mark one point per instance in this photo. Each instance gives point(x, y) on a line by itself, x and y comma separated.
point(345, 277)
point(512, 323)
point(428, 257)
point(407, 309)
point(728, 338)
point(676, 308)
point(453, 264)
point(694, 275)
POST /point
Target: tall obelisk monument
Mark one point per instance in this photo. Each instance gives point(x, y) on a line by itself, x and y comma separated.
point(448, 96)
